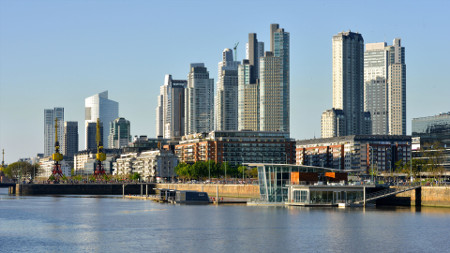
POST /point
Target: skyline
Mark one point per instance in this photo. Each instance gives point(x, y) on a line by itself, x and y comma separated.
point(56, 54)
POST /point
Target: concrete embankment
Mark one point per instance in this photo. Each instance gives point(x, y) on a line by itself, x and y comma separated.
point(225, 190)
point(433, 196)
point(82, 189)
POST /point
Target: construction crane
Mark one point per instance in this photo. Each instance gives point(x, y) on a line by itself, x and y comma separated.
point(57, 157)
point(235, 50)
point(101, 156)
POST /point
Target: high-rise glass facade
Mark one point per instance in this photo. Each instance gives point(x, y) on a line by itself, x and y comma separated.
point(100, 107)
point(49, 129)
point(119, 133)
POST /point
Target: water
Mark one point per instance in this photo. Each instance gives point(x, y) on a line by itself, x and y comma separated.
point(111, 224)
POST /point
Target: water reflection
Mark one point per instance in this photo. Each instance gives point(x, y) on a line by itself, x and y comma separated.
point(79, 223)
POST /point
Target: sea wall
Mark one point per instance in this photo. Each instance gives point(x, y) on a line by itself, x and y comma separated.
point(438, 196)
point(435, 196)
point(225, 190)
point(82, 189)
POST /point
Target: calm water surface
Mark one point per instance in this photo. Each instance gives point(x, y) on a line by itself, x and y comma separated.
point(110, 224)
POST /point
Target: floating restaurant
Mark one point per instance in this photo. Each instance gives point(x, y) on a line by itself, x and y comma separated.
point(306, 185)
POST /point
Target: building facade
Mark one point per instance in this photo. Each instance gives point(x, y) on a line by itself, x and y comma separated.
point(199, 100)
point(119, 133)
point(263, 92)
point(49, 128)
point(91, 135)
point(237, 147)
point(432, 129)
point(385, 87)
point(226, 111)
point(170, 117)
point(355, 152)
point(100, 107)
point(348, 82)
point(149, 164)
point(84, 162)
point(70, 143)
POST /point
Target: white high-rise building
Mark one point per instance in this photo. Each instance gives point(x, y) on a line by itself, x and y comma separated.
point(397, 89)
point(49, 129)
point(348, 84)
point(226, 111)
point(199, 100)
point(170, 110)
point(99, 106)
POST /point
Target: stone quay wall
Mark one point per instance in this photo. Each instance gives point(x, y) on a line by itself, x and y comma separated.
point(437, 196)
point(81, 189)
point(225, 190)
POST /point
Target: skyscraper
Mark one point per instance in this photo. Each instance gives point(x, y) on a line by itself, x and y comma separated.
point(70, 141)
point(348, 84)
point(248, 86)
point(226, 111)
point(199, 100)
point(248, 98)
point(385, 87)
point(375, 86)
point(91, 135)
point(397, 89)
point(49, 128)
point(119, 133)
point(274, 83)
point(170, 110)
point(99, 106)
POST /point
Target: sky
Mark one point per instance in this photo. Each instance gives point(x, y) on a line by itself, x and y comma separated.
point(57, 53)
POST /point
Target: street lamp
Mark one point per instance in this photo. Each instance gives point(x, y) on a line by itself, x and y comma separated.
point(371, 158)
point(243, 169)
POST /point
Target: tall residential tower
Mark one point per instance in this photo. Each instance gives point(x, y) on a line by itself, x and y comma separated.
point(348, 85)
point(226, 111)
point(170, 117)
point(199, 100)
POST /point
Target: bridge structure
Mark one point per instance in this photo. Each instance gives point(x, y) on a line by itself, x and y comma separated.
point(387, 192)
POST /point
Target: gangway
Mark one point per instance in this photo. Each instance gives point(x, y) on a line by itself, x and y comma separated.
point(385, 193)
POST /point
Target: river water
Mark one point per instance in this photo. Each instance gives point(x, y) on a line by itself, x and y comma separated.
point(112, 224)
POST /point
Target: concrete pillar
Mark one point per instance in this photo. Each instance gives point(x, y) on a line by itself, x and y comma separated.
point(142, 190)
point(123, 190)
point(418, 196)
point(146, 190)
point(364, 195)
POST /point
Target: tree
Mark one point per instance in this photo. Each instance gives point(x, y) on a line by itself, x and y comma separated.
point(20, 170)
point(135, 176)
point(434, 158)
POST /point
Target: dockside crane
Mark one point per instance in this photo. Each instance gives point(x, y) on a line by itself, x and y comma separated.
point(101, 156)
point(57, 157)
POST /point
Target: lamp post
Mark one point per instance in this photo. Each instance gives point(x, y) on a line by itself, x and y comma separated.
point(410, 165)
point(371, 158)
point(243, 169)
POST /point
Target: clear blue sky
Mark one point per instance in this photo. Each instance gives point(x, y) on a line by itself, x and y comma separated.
point(56, 53)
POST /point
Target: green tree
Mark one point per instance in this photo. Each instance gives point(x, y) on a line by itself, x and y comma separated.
point(434, 158)
point(135, 176)
point(21, 170)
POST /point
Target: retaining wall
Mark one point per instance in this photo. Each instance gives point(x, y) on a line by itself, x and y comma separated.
point(81, 189)
point(225, 190)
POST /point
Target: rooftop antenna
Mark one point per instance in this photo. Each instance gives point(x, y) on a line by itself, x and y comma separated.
point(235, 50)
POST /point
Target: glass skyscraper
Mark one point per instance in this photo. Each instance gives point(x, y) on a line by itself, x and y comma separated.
point(49, 129)
point(99, 106)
